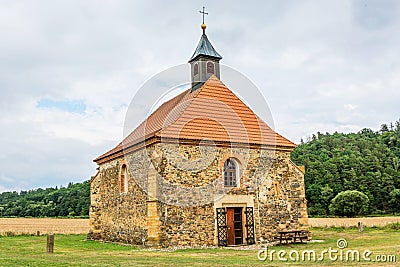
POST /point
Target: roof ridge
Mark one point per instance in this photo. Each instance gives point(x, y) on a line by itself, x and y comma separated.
point(180, 97)
point(181, 111)
point(194, 95)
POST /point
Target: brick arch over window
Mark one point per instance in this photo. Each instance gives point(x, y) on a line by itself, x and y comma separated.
point(241, 159)
point(123, 179)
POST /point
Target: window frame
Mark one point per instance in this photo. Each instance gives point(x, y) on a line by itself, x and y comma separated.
point(210, 63)
point(123, 179)
point(195, 69)
point(233, 172)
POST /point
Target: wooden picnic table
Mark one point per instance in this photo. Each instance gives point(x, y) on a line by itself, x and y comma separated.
point(294, 236)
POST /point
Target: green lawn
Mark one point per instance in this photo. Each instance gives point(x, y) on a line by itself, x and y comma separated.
point(74, 250)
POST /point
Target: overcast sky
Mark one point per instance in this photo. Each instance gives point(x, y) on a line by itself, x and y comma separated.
point(69, 69)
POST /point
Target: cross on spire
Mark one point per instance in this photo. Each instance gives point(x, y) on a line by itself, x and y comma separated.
point(204, 13)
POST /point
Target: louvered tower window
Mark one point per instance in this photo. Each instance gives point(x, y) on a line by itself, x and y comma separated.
point(196, 69)
point(210, 68)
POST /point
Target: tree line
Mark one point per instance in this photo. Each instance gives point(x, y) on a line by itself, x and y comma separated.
point(346, 174)
point(367, 162)
point(73, 200)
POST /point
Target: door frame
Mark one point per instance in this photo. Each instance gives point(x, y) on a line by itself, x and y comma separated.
point(239, 201)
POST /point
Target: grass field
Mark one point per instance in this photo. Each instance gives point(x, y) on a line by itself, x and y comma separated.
point(75, 250)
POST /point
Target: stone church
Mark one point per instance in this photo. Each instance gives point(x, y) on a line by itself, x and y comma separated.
point(202, 170)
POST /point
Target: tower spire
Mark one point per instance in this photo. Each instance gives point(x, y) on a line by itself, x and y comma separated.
point(203, 25)
point(205, 60)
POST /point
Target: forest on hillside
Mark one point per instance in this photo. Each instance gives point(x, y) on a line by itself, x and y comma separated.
point(367, 161)
point(72, 200)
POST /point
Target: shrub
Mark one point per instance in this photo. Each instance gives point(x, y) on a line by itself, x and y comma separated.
point(393, 226)
point(349, 203)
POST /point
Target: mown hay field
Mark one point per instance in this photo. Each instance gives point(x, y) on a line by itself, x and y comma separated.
point(18, 226)
point(349, 222)
point(81, 226)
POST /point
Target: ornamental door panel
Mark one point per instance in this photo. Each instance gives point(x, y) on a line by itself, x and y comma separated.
point(250, 226)
point(222, 227)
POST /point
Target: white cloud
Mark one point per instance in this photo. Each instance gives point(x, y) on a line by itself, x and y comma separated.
point(349, 107)
point(323, 66)
point(292, 58)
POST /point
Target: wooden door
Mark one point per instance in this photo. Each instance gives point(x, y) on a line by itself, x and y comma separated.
point(230, 214)
point(234, 226)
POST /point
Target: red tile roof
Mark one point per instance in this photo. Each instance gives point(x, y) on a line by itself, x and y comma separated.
point(212, 113)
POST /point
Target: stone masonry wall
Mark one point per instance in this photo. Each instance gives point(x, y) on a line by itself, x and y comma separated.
point(187, 226)
point(115, 216)
point(193, 168)
point(183, 183)
point(282, 202)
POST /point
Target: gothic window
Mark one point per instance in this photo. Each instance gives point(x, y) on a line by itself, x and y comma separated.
point(123, 180)
point(231, 171)
point(210, 68)
point(196, 69)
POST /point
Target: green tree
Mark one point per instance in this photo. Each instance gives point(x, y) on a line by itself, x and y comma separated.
point(394, 202)
point(349, 203)
point(71, 201)
point(384, 128)
point(367, 161)
point(326, 197)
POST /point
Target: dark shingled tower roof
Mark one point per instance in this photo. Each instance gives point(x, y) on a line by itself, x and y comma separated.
point(205, 48)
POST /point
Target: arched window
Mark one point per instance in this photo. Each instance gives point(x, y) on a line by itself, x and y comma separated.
point(231, 173)
point(195, 69)
point(210, 68)
point(123, 180)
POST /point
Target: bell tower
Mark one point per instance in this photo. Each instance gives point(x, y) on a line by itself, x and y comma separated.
point(204, 61)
